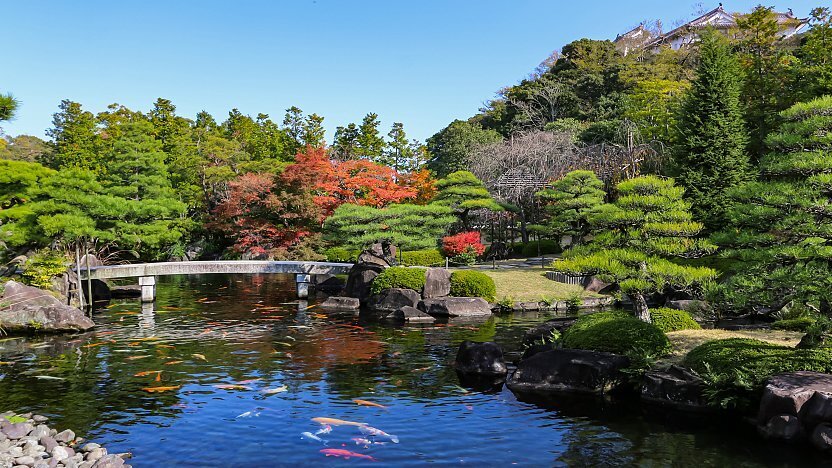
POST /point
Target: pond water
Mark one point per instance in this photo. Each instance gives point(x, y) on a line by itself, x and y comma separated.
point(245, 367)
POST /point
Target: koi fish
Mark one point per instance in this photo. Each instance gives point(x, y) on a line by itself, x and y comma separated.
point(165, 346)
point(273, 391)
point(199, 356)
point(93, 345)
point(248, 414)
point(283, 344)
point(48, 377)
point(6, 363)
point(134, 358)
point(311, 436)
point(104, 333)
point(371, 431)
point(368, 403)
point(160, 389)
point(170, 363)
point(248, 381)
point(365, 442)
point(336, 422)
point(346, 454)
point(324, 430)
point(232, 387)
point(421, 369)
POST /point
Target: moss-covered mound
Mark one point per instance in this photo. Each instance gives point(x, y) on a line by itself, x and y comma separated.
point(670, 320)
point(471, 283)
point(616, 332)
point(753, 361)
point(399, 277)
point(799, 324)
point(427, 257)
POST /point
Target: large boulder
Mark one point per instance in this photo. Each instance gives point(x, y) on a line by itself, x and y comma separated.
point(25, 308)
point(456, 307)
point(787, 393)
point(569, 371)
point(411, 315)
point(437, 283)
point(393, 299)
point(816, 410)
point(782, 427)
point(593, 284)
point(360, 279)
point(341, 303)
point(543, 333)
point(484, 359)
point(381, 254)
point(674, 387)
point(329, 284)
point(821, 437)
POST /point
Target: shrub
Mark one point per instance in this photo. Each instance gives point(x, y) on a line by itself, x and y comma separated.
point(547, 246)
point(461, 243)
point(798, 324)
point(399, 277)
point(427, 257)
point(341, 255)
point(736, 368)
point(471, 283)
point(670, 320)
point(39, 270)
point(616, 332)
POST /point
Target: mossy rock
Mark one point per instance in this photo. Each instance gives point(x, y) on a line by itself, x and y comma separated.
point(670, 320)
point(616, 332)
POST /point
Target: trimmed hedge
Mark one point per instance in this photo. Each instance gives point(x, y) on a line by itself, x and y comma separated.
point(472, 283)
point(427, 257)
point(670, 320)
point(341, 255)
point(399, 277)
point(616, 332)
point(799, 324)
point(755, 359)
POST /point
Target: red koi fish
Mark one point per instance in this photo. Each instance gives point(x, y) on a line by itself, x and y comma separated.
point(346, 454)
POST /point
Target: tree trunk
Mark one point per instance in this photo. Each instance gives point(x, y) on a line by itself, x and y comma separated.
point(640, 307)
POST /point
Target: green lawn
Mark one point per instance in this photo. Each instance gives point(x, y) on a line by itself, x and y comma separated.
point(526, 284)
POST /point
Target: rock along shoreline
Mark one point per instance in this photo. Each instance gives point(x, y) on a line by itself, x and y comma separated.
point(26, 441)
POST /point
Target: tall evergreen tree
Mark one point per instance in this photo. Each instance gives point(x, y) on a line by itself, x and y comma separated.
point(370, 143)
point(399, 152)
point(710, 154)
point(781, 226)
point(312, 131)
point(345, 145)
point(74, 137)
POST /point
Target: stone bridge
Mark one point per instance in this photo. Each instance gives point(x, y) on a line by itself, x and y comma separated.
point(147, 272)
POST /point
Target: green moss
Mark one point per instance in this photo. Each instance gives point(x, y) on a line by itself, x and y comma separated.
point(399, 277)
point(670, 320)
point(799, 324)
point(472, 283)
point(341, 255)
point(427, 257)
point(616, 332)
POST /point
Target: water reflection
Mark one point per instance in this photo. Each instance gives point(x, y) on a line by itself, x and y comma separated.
point(227, 347)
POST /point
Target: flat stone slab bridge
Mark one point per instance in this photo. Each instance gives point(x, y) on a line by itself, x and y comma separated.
point(147, 272)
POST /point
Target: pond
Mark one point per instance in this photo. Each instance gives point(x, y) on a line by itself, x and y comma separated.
point(240, 368)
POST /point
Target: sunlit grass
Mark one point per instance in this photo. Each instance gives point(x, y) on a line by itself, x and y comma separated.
point(531, 284)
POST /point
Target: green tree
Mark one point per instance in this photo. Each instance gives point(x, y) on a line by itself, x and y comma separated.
point(463, 192)
point(653, 106)
point(409, 227)
point(370, 144)
point(569, 203)
point(25, 148)
point(710, 154)
point(450, 149)
point(815, 77)
point(8, 106)
point(345, 145)
point(637, 237)
point(781, 227)
point(399, 153)
point(312, 132)
point(74, 138)
point(767, 66)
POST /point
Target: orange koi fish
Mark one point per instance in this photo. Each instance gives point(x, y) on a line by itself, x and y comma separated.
point(170, 363)
point(134, 358)
point(368, 403)
point(160, 389)
point(165, 346)
point(146, 373)
point(346, 454)
point(336, 422)
point(199, 356)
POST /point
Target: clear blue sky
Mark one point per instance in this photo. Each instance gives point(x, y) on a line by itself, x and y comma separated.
point(420, 62)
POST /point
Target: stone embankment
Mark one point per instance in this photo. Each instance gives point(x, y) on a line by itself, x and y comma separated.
point(27, 441)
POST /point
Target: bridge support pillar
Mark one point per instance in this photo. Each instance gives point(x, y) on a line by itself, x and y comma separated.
point(302, 282)
point(148, 286)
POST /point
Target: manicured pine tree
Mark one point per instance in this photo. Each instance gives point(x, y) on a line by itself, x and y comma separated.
point(710, 154)
point(636, 238)
point(781, 226)
point(569, 202)
point(463, 192)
